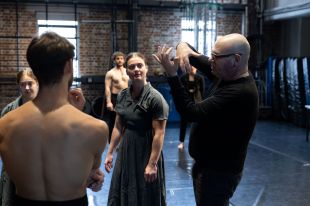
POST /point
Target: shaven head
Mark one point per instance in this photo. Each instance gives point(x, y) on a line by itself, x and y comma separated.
point(230, 57)
point(234, 43)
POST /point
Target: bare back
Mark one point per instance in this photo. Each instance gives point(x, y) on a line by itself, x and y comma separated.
point(49, 156)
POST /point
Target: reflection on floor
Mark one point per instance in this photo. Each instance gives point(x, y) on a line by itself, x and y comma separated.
point(277, 169)
point(276, 173)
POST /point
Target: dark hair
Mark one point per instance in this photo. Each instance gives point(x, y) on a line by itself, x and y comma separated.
point(27, 72)
point(134, 54)
point(47, 56)
point(116, 54)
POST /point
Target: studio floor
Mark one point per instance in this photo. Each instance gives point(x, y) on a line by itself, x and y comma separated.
point(276, 173)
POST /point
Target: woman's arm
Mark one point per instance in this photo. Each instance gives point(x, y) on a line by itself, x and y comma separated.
point(115, 138)
point(150, 173)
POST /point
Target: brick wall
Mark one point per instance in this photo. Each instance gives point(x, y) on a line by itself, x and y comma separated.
point(12, 49)
point(95, 40)
point(154, 27)
point(228, 23)
point(157, 27)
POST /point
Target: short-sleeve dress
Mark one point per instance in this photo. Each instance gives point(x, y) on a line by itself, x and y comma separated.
point(128, 186)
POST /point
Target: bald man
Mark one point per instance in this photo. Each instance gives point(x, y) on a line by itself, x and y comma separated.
point(50, 148)
point(224, 122)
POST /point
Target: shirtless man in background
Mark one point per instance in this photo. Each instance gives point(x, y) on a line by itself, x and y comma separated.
point(115, 81)
point(48, 146)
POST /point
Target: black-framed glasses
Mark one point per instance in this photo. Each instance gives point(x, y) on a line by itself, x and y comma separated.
point(215, 55)
point(133, 66)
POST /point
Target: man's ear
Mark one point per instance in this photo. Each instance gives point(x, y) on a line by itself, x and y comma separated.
point(68, 66)
point(237, 57)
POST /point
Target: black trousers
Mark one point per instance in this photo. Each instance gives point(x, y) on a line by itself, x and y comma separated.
point(183, 125)
point(111, 116)
point(213, 188)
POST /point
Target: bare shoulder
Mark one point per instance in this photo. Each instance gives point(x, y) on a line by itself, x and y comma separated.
point(114, 71)
point(109, 74)
point(9, 120)
point(97, 124)
point(2, 125)
point(94, 126)
point(83, 119)
point(96, 130)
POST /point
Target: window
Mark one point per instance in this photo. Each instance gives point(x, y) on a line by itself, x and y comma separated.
point(200, 31)
point(67, 29)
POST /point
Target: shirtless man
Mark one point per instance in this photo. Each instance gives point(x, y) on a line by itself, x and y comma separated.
point(115, 81)
point(48, 146)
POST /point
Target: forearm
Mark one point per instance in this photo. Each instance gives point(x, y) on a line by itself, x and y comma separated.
point(115, 138)
point(107, 85)
point(200, 61)
point(97, 162)
point(203, 64)
point(202, 87)
point(157, 145)
point(108, 95)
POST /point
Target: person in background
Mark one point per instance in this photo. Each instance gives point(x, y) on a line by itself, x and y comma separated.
point(116, 80)
point(141, 115)
point(223, 123)
point(44, 140)
point(28, 88)
point(194, 85)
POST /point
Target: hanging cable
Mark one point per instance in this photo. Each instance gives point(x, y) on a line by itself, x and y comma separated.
point(17, 36)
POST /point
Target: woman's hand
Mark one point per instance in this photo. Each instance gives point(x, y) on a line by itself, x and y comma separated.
point(150, 173)
point(108, 163)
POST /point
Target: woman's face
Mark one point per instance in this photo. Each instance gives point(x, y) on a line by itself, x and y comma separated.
point(136, 69)
point(28, 87)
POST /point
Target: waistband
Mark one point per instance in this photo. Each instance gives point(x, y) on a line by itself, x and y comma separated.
point(20, 201)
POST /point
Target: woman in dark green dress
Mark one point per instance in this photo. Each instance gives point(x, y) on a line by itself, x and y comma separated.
point(141, 114)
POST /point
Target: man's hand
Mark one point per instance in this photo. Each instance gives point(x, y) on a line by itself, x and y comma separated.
point(95, 180)
point(183, 53)
point(150, 173)
point(76, 98)
point(163, 57)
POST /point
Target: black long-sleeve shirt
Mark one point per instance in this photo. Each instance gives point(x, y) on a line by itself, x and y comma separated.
point(194, 88)
point(223, 123)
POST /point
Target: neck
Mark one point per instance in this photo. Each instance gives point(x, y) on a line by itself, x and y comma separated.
point(119, 67)
point(245, 74)
point(137, 87)
point(25, 99)
point(242, 74)
point(52, 97)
